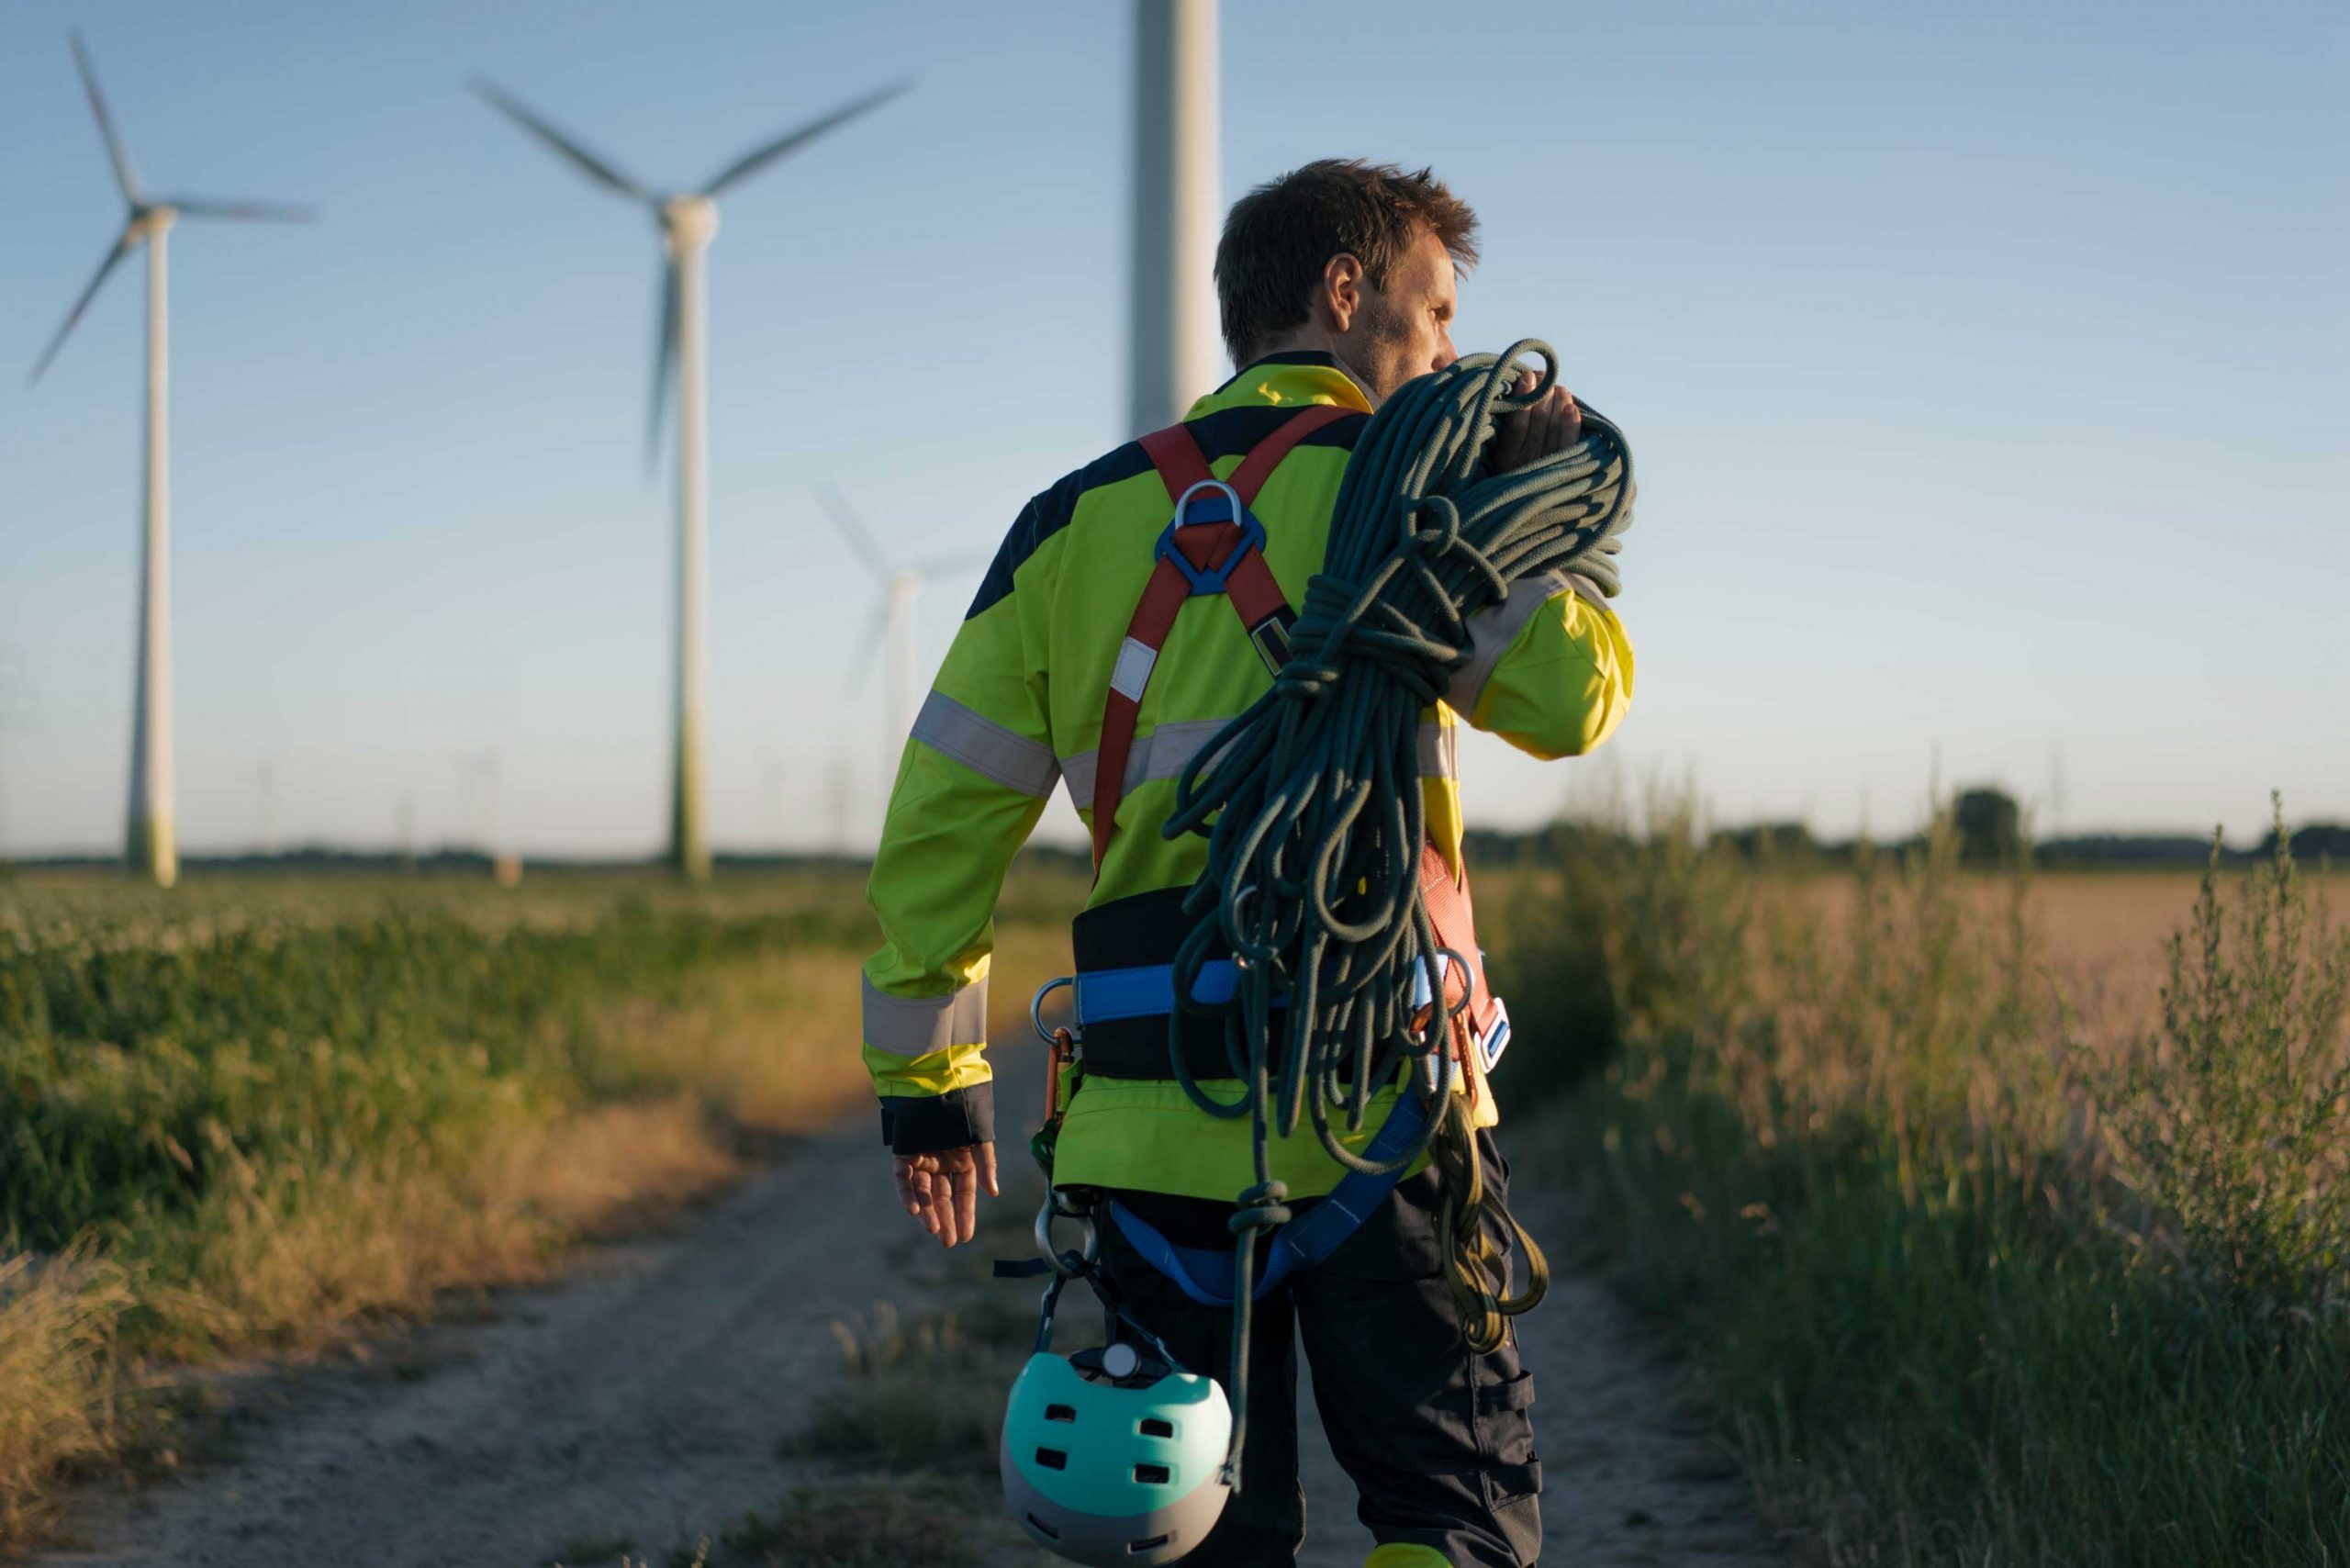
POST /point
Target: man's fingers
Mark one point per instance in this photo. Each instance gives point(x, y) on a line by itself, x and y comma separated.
point(926, 1183)
point(966, 1181)
point(942, 1191)
point(1510, 436)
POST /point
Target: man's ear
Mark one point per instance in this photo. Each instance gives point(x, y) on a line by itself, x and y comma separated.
point(1341, 294)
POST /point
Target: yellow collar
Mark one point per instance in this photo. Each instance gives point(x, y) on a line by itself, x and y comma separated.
point(1300, 377)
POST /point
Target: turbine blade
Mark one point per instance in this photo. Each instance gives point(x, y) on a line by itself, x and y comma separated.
point(869, 648)
point(859, 540)
point(759, 157)
point(264, 211)
point(113, 260)
point(564, 146)
point(116, 153)
point(664, 359)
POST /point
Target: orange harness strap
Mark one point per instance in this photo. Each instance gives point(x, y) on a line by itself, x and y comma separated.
point(1220, 553)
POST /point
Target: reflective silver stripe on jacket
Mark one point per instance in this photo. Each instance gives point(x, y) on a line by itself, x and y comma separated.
point(986, 747)
point(1494, 628)
point(914, 1027)
point(1439, 750)
point(1169, 749)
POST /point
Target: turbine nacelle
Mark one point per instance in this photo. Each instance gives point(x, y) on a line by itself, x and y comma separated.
point(688, 219)
point(149, 219)
point(688, 223)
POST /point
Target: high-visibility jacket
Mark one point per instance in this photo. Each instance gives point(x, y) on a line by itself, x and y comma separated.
point(1017, 708)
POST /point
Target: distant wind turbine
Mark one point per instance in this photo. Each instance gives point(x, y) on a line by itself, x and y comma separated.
point(688, 222)
point(892, 625)
point(153, 848)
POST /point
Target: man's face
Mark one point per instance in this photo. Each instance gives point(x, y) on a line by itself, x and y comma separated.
point(1405, 329)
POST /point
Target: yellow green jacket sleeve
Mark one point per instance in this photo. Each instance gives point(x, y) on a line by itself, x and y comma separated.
point(972, 781)
point(1549, 667)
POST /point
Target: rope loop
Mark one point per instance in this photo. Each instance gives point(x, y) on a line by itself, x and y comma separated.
point(1314, 809)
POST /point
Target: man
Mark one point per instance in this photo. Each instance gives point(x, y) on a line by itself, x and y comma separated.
point(1337, 284)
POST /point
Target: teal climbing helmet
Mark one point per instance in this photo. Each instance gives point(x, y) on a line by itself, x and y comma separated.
point(1110, 1456)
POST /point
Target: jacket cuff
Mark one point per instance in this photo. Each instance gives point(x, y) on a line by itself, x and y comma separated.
point(924, 1123)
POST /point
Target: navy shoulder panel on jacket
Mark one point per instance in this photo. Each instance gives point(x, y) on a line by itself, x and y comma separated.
point(1227, 433)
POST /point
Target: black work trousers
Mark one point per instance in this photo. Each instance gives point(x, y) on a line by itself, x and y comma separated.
point(1436, 1440)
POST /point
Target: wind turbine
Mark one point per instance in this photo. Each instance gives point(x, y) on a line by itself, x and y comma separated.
point(152, 848)
point(893, 626)
point(688, 222)
point(1175, 350)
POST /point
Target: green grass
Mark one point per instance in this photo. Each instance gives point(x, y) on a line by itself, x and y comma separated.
point(253, 1114)
point(871, 1522)
point(922, 1396)
point(1966, 1290)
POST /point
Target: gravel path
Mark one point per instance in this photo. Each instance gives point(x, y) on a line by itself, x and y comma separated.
point(640, 1398)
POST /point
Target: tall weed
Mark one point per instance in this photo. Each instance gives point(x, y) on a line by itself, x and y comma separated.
point(1843, 1150)
point(2234, 1127)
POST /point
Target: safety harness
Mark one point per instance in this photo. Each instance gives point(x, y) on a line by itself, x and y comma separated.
point(1214, 546)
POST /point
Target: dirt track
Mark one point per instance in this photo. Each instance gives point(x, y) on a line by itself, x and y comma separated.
point(642, 1398)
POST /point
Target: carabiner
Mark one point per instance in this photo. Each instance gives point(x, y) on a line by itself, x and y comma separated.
point(1089, 1250)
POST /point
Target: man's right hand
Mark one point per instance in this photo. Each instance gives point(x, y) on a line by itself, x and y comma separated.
point(942, 1189)
point(1545, 429)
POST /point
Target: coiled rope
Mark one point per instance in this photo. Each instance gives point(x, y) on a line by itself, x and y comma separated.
point(1311, 806)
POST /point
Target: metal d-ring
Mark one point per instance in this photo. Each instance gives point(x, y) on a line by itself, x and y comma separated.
point(1036, 1006)
point(1211, 486)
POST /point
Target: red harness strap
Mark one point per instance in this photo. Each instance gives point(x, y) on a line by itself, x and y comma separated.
point(1224, 551)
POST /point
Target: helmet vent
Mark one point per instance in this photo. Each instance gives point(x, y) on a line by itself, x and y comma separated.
point(1061, 1412)
point(1137, 1548)
point(1042, 1527)
point(1152, 1427)
point(1151, 1474)
point(1053, 1458)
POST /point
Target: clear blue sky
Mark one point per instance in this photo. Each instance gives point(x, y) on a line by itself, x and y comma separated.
point(1985, 369)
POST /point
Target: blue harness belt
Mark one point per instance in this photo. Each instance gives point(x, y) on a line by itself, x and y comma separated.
point(1303, 1241)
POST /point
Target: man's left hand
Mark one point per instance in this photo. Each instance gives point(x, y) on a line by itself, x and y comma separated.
point(1544, 430)
point(942, 1189)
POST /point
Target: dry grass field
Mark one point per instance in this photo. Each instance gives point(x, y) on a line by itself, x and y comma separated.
point(2001, 1233)
point(2103, 935)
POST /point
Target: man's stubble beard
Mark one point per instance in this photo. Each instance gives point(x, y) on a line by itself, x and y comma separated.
point(1379, 368)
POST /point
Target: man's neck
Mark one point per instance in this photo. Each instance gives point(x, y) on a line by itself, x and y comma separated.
point(1311, 338)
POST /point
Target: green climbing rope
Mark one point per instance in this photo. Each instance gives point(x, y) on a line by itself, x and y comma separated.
point(1310, 800)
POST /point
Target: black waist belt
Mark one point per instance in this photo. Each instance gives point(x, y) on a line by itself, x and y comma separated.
point(1137, 933)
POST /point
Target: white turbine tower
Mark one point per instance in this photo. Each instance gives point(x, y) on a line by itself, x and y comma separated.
point(1176, 346)
point(152, 848)
point(892, 627)
point(688, 222)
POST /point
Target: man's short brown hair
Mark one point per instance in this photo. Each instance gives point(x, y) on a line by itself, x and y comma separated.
point(1278, 237)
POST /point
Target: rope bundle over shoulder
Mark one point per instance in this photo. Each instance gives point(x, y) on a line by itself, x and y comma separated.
point(1310, 800)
